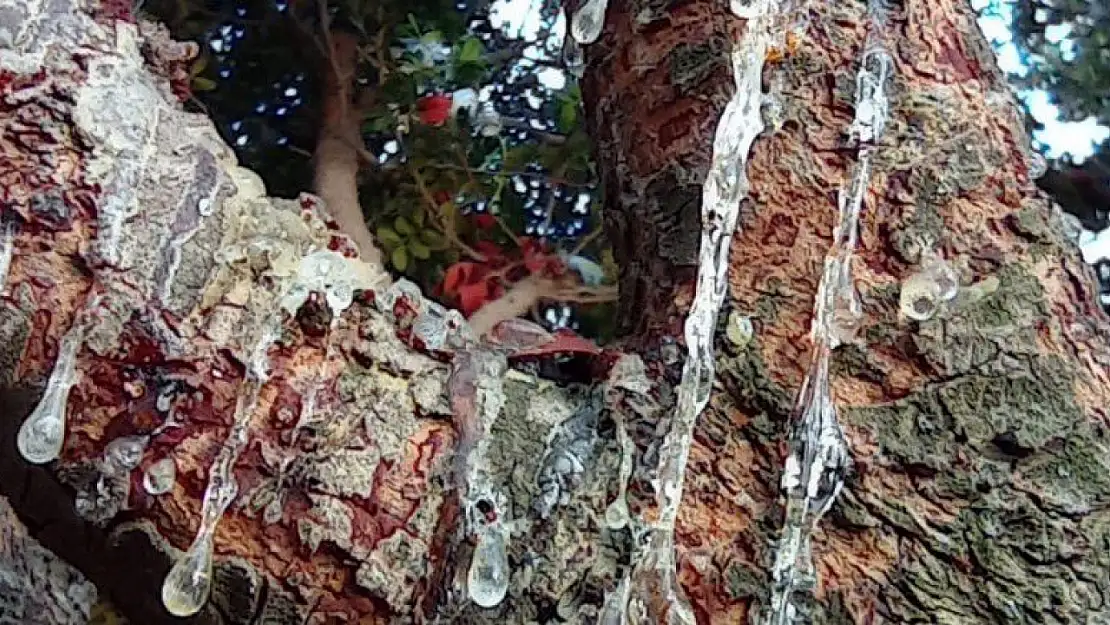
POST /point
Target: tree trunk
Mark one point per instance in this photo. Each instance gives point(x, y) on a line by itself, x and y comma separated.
point(379, 451)
point(977, 489)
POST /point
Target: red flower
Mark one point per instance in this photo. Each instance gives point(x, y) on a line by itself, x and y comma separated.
point(434, 109)
point(484, 221)
point(441, 197)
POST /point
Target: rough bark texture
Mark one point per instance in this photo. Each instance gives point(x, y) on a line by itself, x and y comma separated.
point(133, 222)
point(36, 586)
point(979, 437)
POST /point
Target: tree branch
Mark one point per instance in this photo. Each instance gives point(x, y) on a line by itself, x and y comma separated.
point(337, 151)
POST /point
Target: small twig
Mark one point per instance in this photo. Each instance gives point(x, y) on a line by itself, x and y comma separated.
point(474, 183)
point(586, 294)
point(509, 174)
point(515, 302)
point(545, 136)
point(586, 240)
point(448, 232)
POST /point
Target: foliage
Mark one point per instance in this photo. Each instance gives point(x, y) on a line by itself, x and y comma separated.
point(477, 173)
point(1067, 42)
point(1066, 46)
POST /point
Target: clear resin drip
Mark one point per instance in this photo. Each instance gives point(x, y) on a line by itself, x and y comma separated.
point(42, 434)
point(7, 247)
point(588, 21)
point(654, 583)
point(574, 59)
point(186, 587)
point(487, 580)
point(159, 478)
point(818, 452)
point(813, 477)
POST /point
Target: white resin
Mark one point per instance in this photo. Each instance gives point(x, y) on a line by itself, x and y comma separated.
point(920, 297)
point(487, 580)
point(7, 247)
point(327, 272)
point(41, 436)
point(124, 454)
point(746, 9)
point(588, 21)
point(186, 587)
point(940, 272)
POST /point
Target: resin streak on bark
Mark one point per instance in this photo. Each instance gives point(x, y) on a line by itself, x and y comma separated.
point(656, 93)
point(956, 425)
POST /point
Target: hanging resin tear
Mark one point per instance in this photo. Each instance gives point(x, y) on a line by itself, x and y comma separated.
point(186, 587)
point(7, 247)
point(588, 21)
point(487, 581)
point(41, 436)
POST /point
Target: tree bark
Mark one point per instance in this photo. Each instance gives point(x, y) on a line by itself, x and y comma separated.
point(978, 437)
point(376, 445)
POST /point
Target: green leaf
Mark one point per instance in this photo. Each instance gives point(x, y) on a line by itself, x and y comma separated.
point(200, 83)
point(433, 239)
point(419, 250)
point(198, 66)
point(472, 50)
point(568, 115)
point(389, 237)
point(403, 226)
point(450, 213)
point(400, 258)
point(418, 217)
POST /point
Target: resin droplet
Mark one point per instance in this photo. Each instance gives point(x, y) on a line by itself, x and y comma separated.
point(159, 477)
point(487, 582)
point(186, 587)
point(939, 271)
point(739, 329)
point(588, 20)
point(1037, 165)
point(847, 315)
point(42, 434)
point(573, 58)
point(746, 9)
point(920, 298)
point(124, 454)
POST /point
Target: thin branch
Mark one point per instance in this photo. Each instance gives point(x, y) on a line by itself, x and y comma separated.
point(470, 178)
point(447, 229)
point(586, 240)
point(507, 173)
